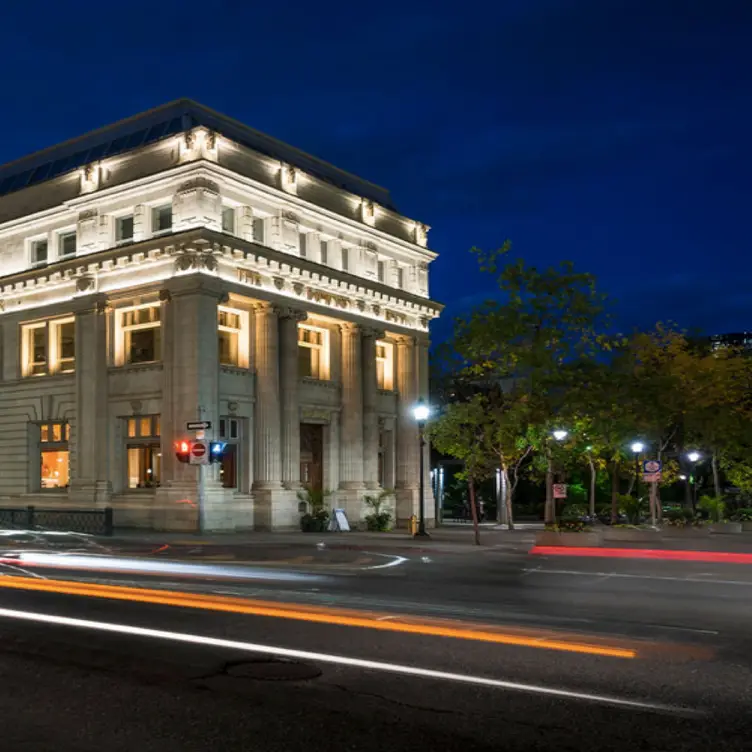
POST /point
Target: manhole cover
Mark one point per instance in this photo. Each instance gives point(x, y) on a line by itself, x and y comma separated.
point(273, 670)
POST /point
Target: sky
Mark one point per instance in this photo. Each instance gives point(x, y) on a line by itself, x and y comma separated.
point(613, 133)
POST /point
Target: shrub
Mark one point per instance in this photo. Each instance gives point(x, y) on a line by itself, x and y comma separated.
point(380, 519)
point(632, 508)
point(574, 510)
point(742, 515)
point(715, 506)
point(316, 519)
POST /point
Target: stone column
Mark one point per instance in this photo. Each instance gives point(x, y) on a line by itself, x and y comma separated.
point(351, 455)
point(90, 483)
point(370, 414)
point(267, 460)
point(288, 363)
point(407, 430)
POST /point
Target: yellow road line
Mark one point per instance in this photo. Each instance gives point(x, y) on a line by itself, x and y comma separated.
point(339, 617)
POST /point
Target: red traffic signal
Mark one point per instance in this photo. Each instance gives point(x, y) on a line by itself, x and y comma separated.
point(183, 450)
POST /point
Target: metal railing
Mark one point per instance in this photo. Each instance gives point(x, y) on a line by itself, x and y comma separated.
point(91, 521)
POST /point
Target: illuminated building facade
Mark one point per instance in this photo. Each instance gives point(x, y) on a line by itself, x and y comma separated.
point(178, 266)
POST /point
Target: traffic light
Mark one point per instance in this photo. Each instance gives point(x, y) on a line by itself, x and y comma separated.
point(216, 451)
point(183, 450)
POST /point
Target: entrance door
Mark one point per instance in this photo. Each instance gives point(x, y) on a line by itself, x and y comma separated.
point(312, 456)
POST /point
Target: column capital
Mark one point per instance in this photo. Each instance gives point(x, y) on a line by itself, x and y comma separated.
point(349, 327)
point(376, 333)
point(265, 306)
point(405, 339)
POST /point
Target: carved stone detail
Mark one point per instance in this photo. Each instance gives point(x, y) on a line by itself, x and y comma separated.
point(232, 406)
point(279, 283)
point(249, 277)
point(298, 288)
point(196, 183)
point(86, 283)
point(136, 406)
point(193, 259)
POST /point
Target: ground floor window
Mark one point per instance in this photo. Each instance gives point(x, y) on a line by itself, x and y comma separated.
point(229, 434)
point(144, 451)
point(54, 455)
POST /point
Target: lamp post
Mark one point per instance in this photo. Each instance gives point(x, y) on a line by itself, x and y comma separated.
point(637, 448)
point(421, 413)
point(694, 458)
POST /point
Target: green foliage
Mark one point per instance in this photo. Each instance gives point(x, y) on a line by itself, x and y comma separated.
point(715, 506)
point(315, 498)
point(632, 507)
point(742, 515)
point(316, 520)
point(574, 510)
point(379, 519)
point(570, 525)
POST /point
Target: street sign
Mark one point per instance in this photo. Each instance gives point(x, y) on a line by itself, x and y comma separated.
point(651, 477)
point(560, 490)
point(199, 425)
point(199, 453)
point(652, 466)
point(339, 521)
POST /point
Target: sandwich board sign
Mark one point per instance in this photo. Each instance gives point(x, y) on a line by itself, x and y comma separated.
point(339, 522)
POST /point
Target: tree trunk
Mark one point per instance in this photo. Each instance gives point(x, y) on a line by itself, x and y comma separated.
point(592, 486)
point(474, 509)
point(550, 511)
point(508, 496)
point(716, 476)
point(615, 492)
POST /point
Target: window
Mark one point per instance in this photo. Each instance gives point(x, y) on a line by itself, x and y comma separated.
point(124, 229)
point(161, 218)
point(229, 432)
point(140, 330)
point(228, 220)
point(230, 327)
point(66, 244)
point(48, 347)
point(345, 259)
point(385, 365)
point(39, 252)
point(258, 230)
point(400, 278)
point(324, 252)
point(302, 244)
point(143, 450)
point(382, 271)
point(313, 352)
point(54, 455)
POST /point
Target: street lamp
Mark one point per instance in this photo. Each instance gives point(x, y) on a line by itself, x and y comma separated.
point(694, 457)
point(637, 447)
point(560, 435)
point(421, 413)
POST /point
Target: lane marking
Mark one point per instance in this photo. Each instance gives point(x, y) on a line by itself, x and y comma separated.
point(322, 615)
point(340, 660)
point(396, 561)
point(624, 575)
point(720, 557)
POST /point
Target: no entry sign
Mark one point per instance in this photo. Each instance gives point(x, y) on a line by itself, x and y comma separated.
point(199, 453)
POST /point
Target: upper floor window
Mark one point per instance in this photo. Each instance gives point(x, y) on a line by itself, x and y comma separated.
point(48, 347)
point(385, 365)
point(324, 252)
point(232, 326)
point(313, 351)
point(66, 244)
point(382, 271)
point(39, 252)
point(401, 278)
point(139, 332)
point(124, 229)
point(228, 220)
point(345, 259)
point(258, 230)
point(302, 244)
point(161, 218)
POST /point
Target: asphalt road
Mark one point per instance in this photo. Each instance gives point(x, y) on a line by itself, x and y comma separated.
point(471, 651)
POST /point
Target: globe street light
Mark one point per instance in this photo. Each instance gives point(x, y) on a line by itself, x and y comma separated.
point(637, 447)
point(421, 412)
point(560, 435)
point(694, 457)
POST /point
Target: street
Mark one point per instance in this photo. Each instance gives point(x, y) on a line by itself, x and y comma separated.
point(345, 648)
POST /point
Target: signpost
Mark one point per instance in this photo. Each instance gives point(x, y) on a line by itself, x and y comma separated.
point(651, 473)
point(560, 490)
point(199, 453)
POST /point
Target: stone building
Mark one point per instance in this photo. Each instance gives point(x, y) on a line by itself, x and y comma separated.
point(178, 266)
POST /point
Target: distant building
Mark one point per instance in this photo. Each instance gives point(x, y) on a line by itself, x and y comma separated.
point(741, 340)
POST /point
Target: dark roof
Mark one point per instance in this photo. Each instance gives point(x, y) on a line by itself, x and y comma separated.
point(162, 122)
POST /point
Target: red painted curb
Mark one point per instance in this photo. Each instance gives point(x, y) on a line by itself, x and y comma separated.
point(720, 557)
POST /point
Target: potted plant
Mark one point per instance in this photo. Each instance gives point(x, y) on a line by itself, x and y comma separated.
point(715, 506)
point(679, 521)
point(313, 503)
point(380, 518)
point(744, 517)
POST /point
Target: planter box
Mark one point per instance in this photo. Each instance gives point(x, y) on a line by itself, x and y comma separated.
point(669, 531)
point(631, 536)
point(548, 538)
point(746, 527)
point(726, 528)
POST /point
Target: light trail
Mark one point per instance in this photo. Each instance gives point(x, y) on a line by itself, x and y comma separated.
point(716, 557)
point(340, 660)
point(337, 617)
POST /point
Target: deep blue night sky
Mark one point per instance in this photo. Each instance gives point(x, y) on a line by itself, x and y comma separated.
point(616, 133)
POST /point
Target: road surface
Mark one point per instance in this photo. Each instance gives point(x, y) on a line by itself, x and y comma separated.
point(468, 651)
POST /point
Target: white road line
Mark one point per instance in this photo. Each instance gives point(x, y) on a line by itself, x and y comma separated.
point(340, 660)
point(637, 576)
point(396, 561)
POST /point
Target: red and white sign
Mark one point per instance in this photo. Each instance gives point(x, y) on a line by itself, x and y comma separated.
point(199, 453)
point(651, 477)
point(560, 490)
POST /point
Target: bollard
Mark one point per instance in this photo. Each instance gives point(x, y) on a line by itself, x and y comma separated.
point(413, 525)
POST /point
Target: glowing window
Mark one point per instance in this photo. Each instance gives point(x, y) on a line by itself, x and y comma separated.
point(313, 352)
point(385, 365)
